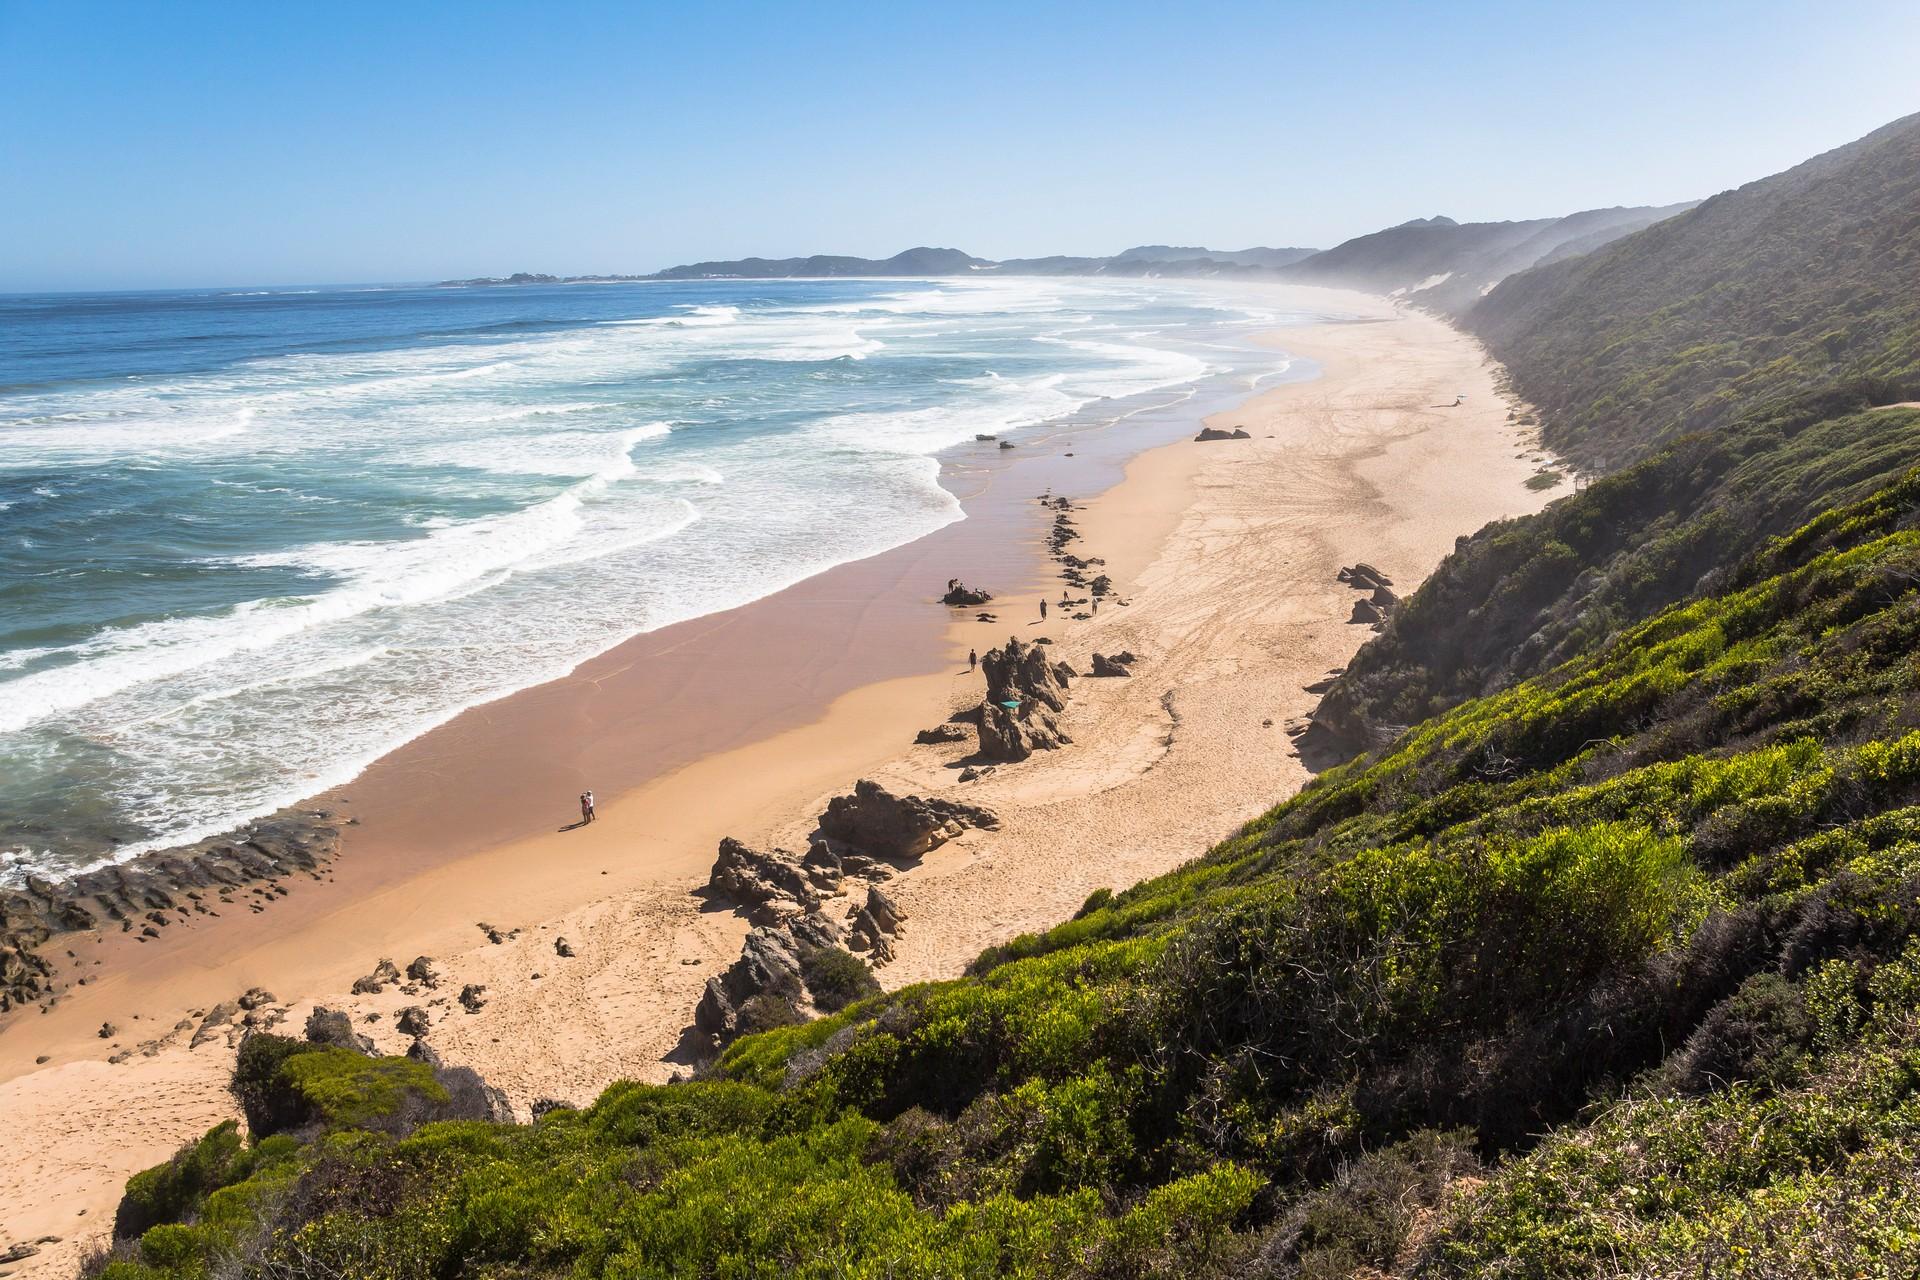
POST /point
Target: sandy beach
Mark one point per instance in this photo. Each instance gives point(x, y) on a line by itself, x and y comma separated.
point(745, 723)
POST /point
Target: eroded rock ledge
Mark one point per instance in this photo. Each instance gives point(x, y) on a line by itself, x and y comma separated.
point(154, 890)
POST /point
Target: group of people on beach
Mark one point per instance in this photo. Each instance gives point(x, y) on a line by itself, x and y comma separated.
point(586, 807)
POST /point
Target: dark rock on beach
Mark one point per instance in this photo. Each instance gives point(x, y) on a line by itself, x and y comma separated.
point(333, 1027)
point(141, 890)
point(880, 823)
point(959, 593)
point(1215, 433)
point(941, 733)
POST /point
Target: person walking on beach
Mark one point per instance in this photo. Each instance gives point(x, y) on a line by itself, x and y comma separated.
point(1043, 611)
point(586, 806)
point(973, 659)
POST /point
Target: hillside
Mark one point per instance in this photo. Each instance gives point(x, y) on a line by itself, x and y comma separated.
point(1603, 960)
point(1447, 266)
point(1802, 282)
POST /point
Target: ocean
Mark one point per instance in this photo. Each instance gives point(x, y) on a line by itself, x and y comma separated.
point(251, 540)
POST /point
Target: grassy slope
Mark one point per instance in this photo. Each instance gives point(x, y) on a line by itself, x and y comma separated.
point(1606, 965)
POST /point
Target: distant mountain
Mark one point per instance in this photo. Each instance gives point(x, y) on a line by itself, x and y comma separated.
point(1259, 256)
point(1142, 260)
point(921, 261)
point(1448, 266)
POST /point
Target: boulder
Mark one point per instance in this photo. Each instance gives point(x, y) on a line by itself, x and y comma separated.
point(1006, 444)
point(753, 879)
point(219, 1021)
point(959, 593)
point(413, 1021)
point(941, 733)
point(1110, 666)
point(880, 823)
point(473, 997)
point(333, 1027)
point(255, 998)
point(422, 971)
point(1384, 597)
point(1023, 672)
point(875, 926)
point(1101, 586)
point(384, 974)
point(769, 963)
point(1367, 611)
point(563, 948)
point(1007, 734)
point(1215, 433)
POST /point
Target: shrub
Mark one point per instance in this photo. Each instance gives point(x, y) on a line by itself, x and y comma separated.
point(836, 978)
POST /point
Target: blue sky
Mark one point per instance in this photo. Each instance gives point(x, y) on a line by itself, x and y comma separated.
point(163, 144)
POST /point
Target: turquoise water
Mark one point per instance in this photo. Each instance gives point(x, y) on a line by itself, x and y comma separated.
point(250, 540)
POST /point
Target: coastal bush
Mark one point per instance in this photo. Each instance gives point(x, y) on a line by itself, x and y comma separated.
point(836, 978)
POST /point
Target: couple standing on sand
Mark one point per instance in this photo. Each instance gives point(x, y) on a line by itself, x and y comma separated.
point(586, 806)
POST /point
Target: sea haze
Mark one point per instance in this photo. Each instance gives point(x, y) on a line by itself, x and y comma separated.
point(252, 539)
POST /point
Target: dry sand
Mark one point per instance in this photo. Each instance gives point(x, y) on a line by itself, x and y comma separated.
point(1226, 553)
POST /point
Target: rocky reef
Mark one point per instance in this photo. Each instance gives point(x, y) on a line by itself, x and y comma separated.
point(154, 890)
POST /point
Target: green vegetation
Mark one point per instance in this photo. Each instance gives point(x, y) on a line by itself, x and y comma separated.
point(1603, 959)
point(1794, 286)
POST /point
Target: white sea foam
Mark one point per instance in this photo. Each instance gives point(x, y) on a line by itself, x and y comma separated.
point(545, 511)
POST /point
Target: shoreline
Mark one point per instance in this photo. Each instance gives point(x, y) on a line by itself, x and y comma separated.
point(1227, 552)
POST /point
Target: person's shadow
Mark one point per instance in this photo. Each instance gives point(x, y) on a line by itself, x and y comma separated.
point(575, 826)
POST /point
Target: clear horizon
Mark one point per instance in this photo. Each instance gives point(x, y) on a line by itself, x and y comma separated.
point(207, 145)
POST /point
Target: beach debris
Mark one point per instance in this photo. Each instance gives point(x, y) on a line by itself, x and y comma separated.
point(1114, 665)
point(959, 593)
point(413, 1021)
point(1215, 433)
point(563, 948)
point(948, 732)
point(333, 1027)
point(473, 997)
point(384, 974)
point(878, 822)
point(423, 971)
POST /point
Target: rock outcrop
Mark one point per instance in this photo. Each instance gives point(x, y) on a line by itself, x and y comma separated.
point(334, 1027)
point(771, 885)
point(1215, 433)
point(384, 975)
point(1118, 664)
point(959, 593)
point(1009, 735)
point(413, 1021)
point(154, 890)
point(948, 732)
point(875, 925)
point(473, 997)
point(1023, 672)
point(769, 964)
point(877, 822)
